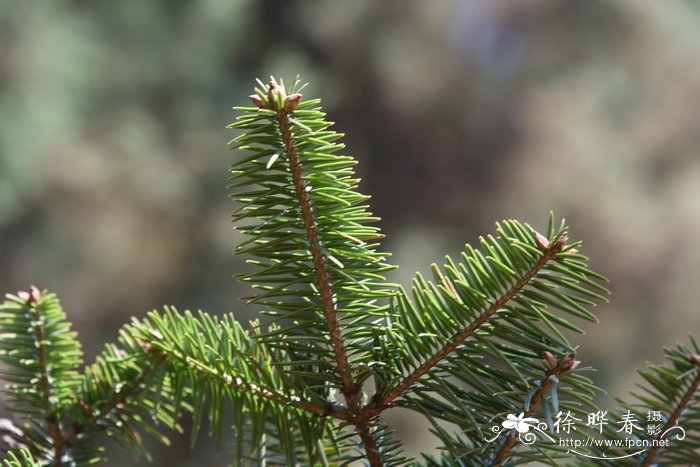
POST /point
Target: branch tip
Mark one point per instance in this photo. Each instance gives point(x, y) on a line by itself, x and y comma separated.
point(545, 245)
point(274, 92)
point(33, 296)
point(560, 243)
point(563, 365)
point(569, 363)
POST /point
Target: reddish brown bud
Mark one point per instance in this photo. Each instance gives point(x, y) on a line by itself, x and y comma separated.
point(272, 94)
point(146, 346)
point(569, 363)
point(541, 241)
point(35, 293)
point(551, 360)
point(561, 243)
point(291, 102)
point(257, 101)
point(31, 297)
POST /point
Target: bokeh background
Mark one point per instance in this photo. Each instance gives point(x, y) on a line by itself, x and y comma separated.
point(113, 157)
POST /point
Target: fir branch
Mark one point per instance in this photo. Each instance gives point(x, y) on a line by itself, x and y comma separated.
point(462, 350)
point(238, 384)
point(97, 414)
point(220, 361)
point(310, 237)
point(673, 389)
point(53, 423)
point(41, 356)
point(490, 373)
point(676, 415)
point(21, 458)
point(349, 389)
point(457, 339)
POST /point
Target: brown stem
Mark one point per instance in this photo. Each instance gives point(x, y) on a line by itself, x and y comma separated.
point(105, 411)
point(378, 406)
point(349, 388)
point(369, 443)
point(648, 460)
point(324, 288)
point(52, 421)
point(331, 410)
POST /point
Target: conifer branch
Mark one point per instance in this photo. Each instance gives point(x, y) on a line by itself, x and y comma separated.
point(349, 389)
point(21, 458)
point(680, 407)
point(102, 413)
point(461, 349)
point(236, 382)
point(264, 393)
point(548, 252)
point(53, 424)
point(310, 241)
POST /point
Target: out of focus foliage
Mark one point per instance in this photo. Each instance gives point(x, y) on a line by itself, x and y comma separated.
point(462, 113)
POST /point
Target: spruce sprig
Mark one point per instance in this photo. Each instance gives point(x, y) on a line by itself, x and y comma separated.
point(337, 345)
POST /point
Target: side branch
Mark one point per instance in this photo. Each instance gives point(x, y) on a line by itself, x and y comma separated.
point(673, 419)
point(104, 412)
point(379, 405)
point(238, 384)
point(264, 393)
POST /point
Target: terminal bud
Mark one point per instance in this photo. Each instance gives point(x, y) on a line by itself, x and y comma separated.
point(291, 102)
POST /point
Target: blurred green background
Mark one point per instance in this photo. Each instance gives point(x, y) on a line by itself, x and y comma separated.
point(113, 158)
